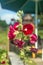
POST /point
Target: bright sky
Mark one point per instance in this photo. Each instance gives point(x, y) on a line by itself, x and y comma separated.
point(7, 15)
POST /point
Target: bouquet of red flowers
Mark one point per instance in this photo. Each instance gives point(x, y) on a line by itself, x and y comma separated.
point(19, 32)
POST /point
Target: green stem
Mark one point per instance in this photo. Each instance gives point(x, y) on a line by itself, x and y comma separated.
point(24, 61)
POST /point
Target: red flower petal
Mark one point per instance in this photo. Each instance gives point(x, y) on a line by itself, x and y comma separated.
point(15, 26)
point(11, 35)
point(3, 62)
point(34, 50)
point(19, 43)
point(11, 28)
point(33, 38)
point(28, 29)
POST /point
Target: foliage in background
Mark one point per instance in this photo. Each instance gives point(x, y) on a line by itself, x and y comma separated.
point(4, 57)
point(3, 24)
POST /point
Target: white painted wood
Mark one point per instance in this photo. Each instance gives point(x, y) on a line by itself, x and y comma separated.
point(36, 43)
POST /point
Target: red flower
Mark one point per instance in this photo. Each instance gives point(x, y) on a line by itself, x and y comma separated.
point(34, 50)
point(3, 62)
point(19, 43)
point(28, 29)
point(11, 28)
point(33, 38)
point(15, 26)
point(11, 34)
